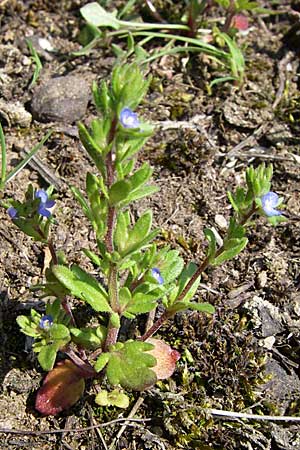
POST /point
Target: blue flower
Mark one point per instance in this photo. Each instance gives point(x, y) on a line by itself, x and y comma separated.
point(45, 204)
point(12, 212)
point(269, 202)
point(46, 322)
point(157, 275)
point(129, 119)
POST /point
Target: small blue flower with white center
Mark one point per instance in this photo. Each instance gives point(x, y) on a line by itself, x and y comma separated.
point(45, 204)
point(46, 322)
point(129, 119)
point(12, 212)
point(155, 272)
point(269, 202)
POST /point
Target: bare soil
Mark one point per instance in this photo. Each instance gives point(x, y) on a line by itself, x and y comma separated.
point(246, 357)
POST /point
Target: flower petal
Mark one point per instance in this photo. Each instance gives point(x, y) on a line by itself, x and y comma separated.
point(42, 195)
point(46, 322)
point(43, 211)
point(129, 119)
point(155, 272)
point(12, 212)
point(269, 202)
point(49, 203)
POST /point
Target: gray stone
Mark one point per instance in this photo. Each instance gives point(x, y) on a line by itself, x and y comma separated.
point(61, 99)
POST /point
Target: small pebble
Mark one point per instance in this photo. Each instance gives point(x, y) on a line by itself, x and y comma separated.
point(61, 99)
point(221, 221)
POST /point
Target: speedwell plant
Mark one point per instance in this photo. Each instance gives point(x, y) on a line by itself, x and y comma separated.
point(134, 274)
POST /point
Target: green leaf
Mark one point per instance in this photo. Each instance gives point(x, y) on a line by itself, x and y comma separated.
point(141, 176)
point(90, 338)
point(231, 252)
point(121, 232)
point(171, 266)
point(92, 257)
point(118, 399)
point(102, 361)
point(101, 97)
point(92, 148)
point(83, 286)
point(201, 307)
point(142, 243)
point(119, 191)
point(186, 275)
point(140, 230)
point(82, 201)
point(210, 236)
point(144, 191)
point(142, 303)
point(94, 14)
point(28, 326)
point(47, 356)
point(129, 365)
point(131, 147)
point(115, 320)
point(98, 203)
point(124, 297)
point(59, 332)
point(114, 398)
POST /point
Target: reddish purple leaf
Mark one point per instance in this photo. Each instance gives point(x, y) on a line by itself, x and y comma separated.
point(166, 358)
point(61, 389)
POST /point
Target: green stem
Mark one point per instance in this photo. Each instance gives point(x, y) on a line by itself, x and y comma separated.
point(165, 316)
point(207, 48)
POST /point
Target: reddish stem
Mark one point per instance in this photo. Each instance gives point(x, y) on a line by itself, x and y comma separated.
point(165, 316)
point(230, 14)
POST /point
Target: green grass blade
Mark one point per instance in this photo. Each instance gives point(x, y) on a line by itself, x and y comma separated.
point(26, 160)
point(207, 48)
point(38, 65)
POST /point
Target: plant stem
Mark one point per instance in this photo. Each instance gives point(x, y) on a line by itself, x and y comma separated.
point(165, 316)
point(85, 367)
point(64, 301)
point(112, 331)
point(53, 252)
point(110, 169)
point(113, 287)
point(229, 17)
point(112, 336)
point(156, 326)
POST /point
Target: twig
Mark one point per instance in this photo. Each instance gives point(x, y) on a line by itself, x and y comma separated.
point(153, 11)
point(250, 140)
point(255, 153)
point(65, 444)
point(70, 430)
point(282, 69)
point(98, 431)
point(130, 415)
point(240, 415)
point(44, 171)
